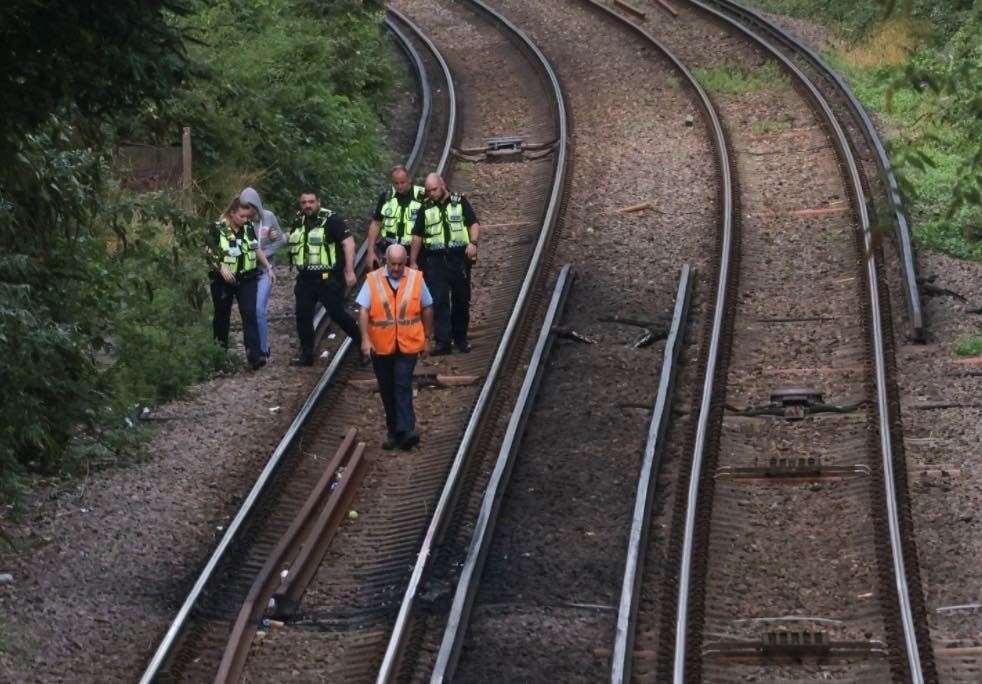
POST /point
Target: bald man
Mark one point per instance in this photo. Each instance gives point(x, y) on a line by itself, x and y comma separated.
point(445, 247)
point(394, 217)
point(395, 319)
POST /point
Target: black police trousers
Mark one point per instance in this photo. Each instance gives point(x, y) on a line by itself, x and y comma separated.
point(244, 292)
point(311, 288)
point(448, 276)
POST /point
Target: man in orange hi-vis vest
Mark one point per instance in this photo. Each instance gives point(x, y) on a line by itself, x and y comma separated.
point(396, 319)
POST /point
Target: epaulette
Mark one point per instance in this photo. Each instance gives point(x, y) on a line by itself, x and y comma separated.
point(455, 197)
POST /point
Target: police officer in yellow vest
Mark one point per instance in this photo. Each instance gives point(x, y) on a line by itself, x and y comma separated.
point(322, 249)
point(444, 246)
point(394, 217)
point(234, 255)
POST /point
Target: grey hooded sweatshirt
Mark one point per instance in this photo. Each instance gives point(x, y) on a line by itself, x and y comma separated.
point(266, 221)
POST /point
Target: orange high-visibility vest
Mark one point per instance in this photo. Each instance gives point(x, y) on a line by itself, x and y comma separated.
point(395, 318)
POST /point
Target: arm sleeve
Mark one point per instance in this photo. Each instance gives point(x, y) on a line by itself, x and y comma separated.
point(337, 229)
point(470, 218)
point(419, 228)
point(270, 221)
point(377, 215)
point(212, 255)
point(426, 299)
point(364, 299)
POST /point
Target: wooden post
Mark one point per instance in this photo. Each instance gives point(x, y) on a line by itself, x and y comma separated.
point(187, 201)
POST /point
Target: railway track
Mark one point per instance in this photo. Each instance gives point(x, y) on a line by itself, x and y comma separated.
point(782, 590)
point(348, 605)
point(793, 429)
point(545, 493)
point(209, 612)
point(792, 547)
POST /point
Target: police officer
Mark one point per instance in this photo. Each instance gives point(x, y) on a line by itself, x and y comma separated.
point(234, 254)
point(445, 245)
point(394, 217)
point(322, 249)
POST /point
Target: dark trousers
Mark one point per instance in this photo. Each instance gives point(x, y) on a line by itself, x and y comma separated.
point(395, 383)
point(312, 288)
point(448, 276)
point(244, 292)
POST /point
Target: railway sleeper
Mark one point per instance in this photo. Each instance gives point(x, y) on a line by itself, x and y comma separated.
point(794, 403)
point(785, 645)
point(791, 468)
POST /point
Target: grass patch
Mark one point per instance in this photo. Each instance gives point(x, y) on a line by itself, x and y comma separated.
point(907, 120)
point(970, 346)
point(771, 126)
point(889, 45)
point(734, 79)
point(917, 67)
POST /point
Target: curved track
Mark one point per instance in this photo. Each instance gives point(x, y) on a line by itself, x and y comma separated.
point(348, 606)
point(766, 465)
point(206, 616)
point(865, 142)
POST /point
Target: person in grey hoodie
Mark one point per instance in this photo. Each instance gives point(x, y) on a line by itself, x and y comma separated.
point(271, 238)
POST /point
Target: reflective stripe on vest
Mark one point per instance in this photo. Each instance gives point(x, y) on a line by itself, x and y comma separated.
point(398, 221)
point(238, 250)
point(312, 249)
point(387, 332)
point(445, 225)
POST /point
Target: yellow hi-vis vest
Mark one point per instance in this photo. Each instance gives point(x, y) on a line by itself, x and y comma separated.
point(445, 225)
point(238, 250)
point(311, 249)
point(398, 221)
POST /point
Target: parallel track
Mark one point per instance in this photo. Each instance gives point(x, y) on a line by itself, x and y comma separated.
point(865, 142)
point(717, 524)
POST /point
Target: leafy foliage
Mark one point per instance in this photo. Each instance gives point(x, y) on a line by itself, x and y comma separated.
point(103, 293)
point(83, 55)
point(930, 102)
point(284, 95)
point(970, 346)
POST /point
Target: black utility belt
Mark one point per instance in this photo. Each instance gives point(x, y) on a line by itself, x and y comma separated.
point(445, 251)
point(316, 273)
point(244, 275)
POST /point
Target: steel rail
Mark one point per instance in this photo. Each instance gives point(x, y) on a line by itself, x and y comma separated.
point(174, 630)
point(839, 137)
point(415, 156)
point(726, 201)
point(268, 579)
point(441, 166)
point(422, 82)
point(470, 574)
point(915, 313)
point(388, 669)
point(638, 536)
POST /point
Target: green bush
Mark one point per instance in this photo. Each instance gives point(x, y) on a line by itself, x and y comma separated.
point(928, 102)
point(103, 293)
point(283, 96)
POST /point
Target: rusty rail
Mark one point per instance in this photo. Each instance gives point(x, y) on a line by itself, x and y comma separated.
point(297, 553)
